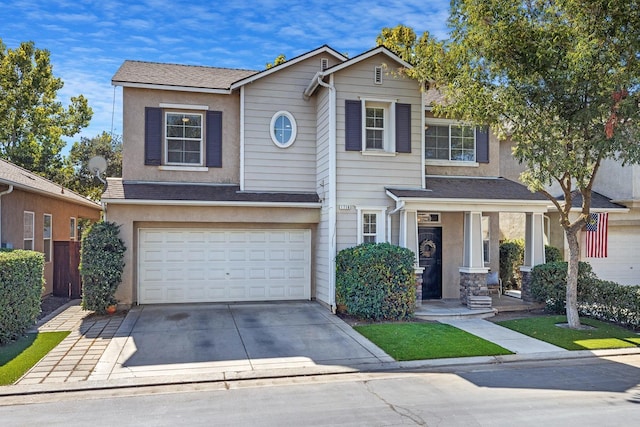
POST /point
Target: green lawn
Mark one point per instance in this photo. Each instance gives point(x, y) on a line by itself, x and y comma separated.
point(605, 335)
point(419, 341)
point(18, 357)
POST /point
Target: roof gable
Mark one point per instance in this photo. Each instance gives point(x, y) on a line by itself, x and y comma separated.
point(288, 63)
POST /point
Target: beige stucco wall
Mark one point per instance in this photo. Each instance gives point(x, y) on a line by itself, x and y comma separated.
point(132, 217)
point(134, 102)
point(14, 205)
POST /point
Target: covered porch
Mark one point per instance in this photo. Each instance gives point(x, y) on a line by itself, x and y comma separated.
point(452, 227)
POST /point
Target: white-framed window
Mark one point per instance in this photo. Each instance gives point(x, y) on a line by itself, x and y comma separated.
point(371, 225)
point(450, 141)
point(29, 227)
point(183, 138)
point(47, 226)
point(486, 240)
point(283, 129)
point(378, 133)
point(73, 228)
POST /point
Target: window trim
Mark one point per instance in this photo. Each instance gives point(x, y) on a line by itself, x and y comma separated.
point(448, 162)
point(389, 143)
point(33, 230)
point(166, 139)
point(380, 212)
point(73, 228)
point(47, 242)
point(294, 129)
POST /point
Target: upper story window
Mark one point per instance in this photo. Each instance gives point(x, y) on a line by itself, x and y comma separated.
point(283, 129)
point(27, 236)
point(377, 126)
point(183, 139)
point(455, 142)
point(376, 134)
point(189, 140)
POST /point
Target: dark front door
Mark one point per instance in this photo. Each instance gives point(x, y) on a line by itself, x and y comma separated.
point(430, 257)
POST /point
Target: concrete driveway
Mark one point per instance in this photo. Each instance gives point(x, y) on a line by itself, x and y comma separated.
point(200, 339)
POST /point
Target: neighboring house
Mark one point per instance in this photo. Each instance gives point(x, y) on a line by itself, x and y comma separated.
point(40, 215)
point(616, 191)
point(242, 186)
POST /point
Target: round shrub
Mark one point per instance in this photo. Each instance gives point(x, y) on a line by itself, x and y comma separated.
point(549, 283)
point(552, 254)
point(376, 281)
point(101, 265)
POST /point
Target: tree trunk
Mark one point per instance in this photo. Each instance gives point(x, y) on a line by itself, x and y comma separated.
point(572, 279)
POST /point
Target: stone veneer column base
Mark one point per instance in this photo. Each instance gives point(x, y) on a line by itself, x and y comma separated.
point(525, 292)
point(472, 284)
point(418, 273)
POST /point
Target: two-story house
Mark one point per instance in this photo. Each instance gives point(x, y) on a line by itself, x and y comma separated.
point(242, 186)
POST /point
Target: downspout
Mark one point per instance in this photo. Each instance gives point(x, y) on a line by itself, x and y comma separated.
point(7, 191)
point(332, 189)
point(242, 138)
point(399, 206)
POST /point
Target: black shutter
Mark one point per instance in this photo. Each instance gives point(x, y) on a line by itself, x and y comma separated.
point(403, 128)
point(152, 136)
point(353, 125)
point(482, 144)
point(214, 139)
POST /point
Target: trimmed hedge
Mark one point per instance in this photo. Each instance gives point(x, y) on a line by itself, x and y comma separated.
point(101, 265)
point(511, 258)
point(21, 286)
point(376, 281)
point(597, 298)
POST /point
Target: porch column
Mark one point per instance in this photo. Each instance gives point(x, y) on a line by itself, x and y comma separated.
point(533, 250)
point(473, 274)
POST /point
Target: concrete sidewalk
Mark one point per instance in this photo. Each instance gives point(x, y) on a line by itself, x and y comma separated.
point(93, 355)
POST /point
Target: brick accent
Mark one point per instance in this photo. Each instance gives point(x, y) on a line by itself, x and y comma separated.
point(418, 273)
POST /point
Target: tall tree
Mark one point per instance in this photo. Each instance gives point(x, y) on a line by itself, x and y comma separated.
point(559, 77)
point(280, 59)
point(32, 120)
point(83, 180)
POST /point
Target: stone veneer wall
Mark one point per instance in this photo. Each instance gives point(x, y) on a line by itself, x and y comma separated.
point(418, 273)
point(473, 284)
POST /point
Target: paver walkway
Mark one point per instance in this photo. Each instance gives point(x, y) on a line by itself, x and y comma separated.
point(77, 355)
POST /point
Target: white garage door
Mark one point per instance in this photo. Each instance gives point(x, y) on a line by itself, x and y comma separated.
point(622, 264)
point(214, 265)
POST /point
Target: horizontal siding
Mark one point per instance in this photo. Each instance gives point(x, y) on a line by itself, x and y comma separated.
point(323, 266)
point(270, 168)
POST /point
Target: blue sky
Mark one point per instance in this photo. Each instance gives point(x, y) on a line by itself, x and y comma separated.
point(89, 39)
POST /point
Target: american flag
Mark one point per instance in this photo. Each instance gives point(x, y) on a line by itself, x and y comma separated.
point(596, 229)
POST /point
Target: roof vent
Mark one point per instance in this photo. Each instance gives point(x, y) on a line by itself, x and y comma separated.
point(377, 75)
point(324, 64)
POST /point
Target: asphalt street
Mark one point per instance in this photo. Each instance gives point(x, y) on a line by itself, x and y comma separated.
point(585, 392)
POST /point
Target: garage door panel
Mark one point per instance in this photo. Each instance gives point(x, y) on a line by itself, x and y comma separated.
point(622, 264)
point(191, 265)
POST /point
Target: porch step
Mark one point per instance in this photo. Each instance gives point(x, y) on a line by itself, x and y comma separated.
point(477, 302)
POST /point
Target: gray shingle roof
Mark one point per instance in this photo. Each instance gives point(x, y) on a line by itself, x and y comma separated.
point(154, 73)
point(470, 188)
point(598, 201)
point(122, 190)
point(23, 179)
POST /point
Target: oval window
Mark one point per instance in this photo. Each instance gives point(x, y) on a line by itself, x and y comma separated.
point(283, 129)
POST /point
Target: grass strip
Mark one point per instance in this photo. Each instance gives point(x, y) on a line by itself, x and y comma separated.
point(603, 335)
point(17, 357)
point(422, 340)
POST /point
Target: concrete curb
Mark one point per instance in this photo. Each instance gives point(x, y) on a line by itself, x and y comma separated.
point(231, 376)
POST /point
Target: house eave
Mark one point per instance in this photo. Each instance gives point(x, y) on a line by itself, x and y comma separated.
point(205, 203)
point(172, 88)
point(26, 188)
